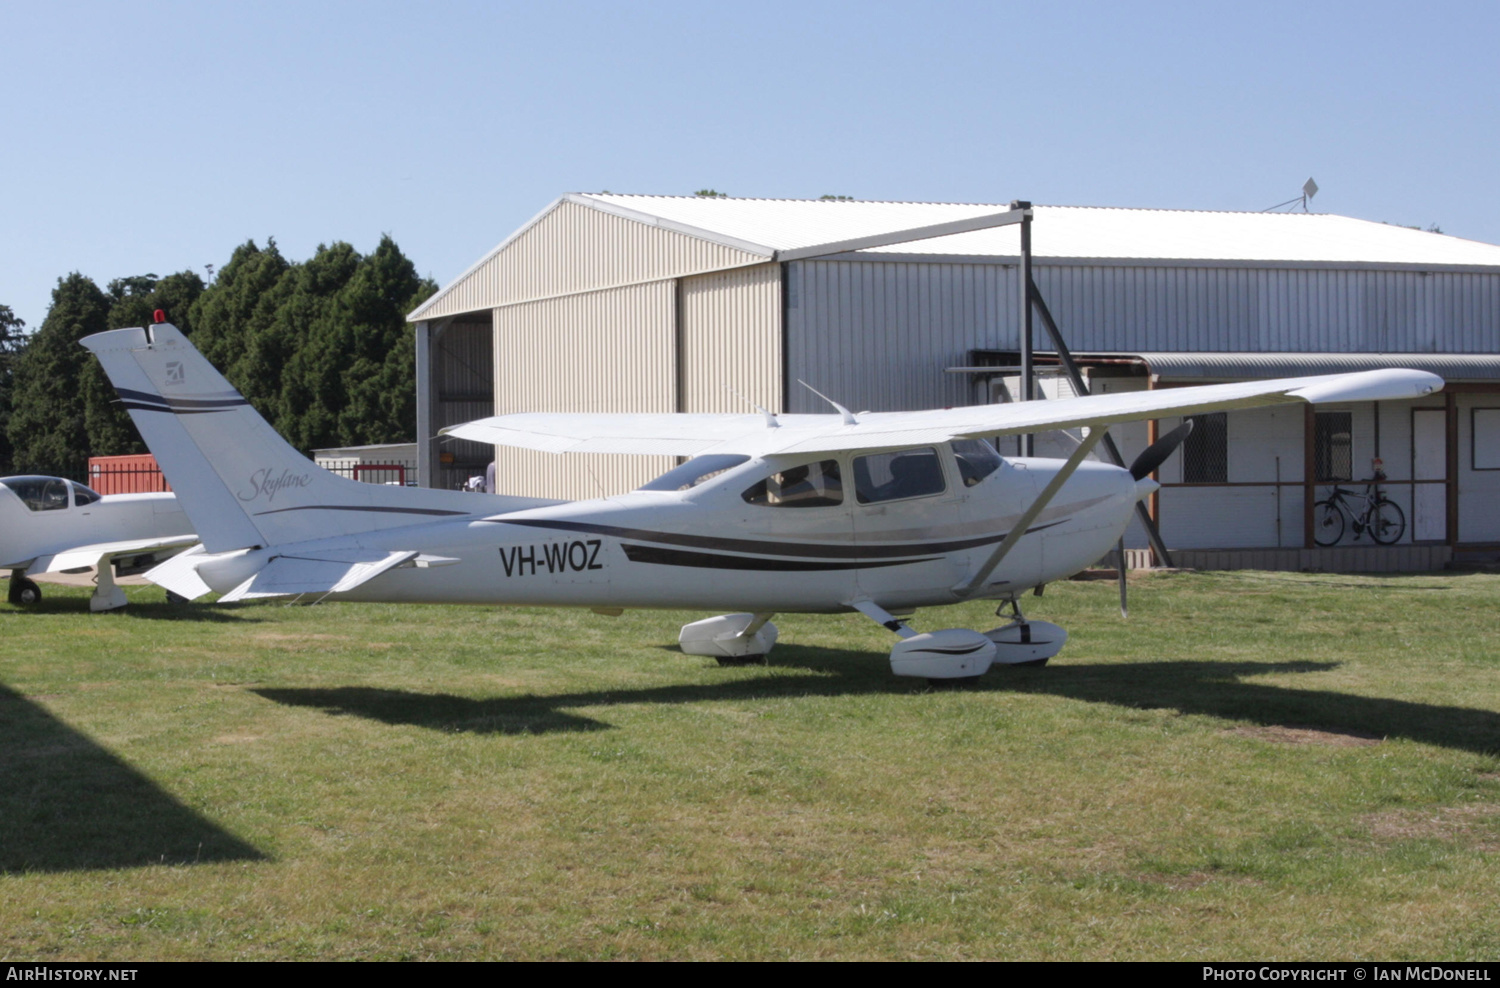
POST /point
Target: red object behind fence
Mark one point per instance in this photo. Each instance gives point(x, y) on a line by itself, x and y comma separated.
point(133, 474)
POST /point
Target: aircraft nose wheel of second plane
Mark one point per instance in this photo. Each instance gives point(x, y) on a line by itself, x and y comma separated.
point(23, 591)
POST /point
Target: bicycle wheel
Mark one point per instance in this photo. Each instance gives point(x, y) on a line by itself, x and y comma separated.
point(1387, 522)
point(1328, 523)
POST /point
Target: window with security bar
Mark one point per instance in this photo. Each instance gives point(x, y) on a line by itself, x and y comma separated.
point(1333, 446)
point(1205, 454)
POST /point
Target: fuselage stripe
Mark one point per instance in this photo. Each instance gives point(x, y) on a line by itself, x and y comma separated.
point(766, 548)
point(362, 507)
point(708, 560)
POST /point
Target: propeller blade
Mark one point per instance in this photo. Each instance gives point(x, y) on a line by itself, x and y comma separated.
point(1120, 560)
point(1156, 454)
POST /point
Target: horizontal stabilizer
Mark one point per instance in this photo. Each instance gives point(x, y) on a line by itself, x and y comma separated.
point(180, 574)
point(101, 553)
point(323, 572)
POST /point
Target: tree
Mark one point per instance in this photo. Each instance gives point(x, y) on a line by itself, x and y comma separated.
point(133, 301)
point(352, 379)
point(47, 428)
point(228, 318)
point(12, 341)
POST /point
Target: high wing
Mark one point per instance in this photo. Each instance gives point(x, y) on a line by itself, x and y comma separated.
point(759, 435)
point(101, 553)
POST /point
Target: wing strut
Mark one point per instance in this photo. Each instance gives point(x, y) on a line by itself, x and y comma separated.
point(1096, 433)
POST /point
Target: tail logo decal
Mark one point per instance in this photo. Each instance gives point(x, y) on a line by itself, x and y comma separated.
point(265, 483)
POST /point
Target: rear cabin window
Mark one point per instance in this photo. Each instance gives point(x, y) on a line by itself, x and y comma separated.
point(897, 476)
point(811, 485)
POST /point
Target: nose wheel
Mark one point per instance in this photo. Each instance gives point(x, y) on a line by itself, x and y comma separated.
point(23, 592)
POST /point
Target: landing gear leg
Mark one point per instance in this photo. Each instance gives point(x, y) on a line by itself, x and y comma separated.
point(107, 594)
point(1021, 642)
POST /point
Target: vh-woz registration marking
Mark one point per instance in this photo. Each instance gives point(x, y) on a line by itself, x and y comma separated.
point(555, 558)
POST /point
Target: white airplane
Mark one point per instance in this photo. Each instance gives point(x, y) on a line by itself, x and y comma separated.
point(879, 513)
point(52, 525)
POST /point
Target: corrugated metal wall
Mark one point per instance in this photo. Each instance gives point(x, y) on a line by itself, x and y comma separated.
point(731, 338)
point(605, 351)
point(1109, 307)
point(574, 248)
point(878, 335)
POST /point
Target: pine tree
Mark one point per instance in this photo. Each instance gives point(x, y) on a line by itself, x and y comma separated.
point(134, 301)
point(351, 380)
point(12, 341)
point(47, 427)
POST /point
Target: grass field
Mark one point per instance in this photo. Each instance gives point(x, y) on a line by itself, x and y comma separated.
point(1255, 765)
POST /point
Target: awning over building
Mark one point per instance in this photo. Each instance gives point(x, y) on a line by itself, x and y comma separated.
point(1196, 366)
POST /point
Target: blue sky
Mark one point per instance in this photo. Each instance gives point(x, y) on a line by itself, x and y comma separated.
point(154, 136)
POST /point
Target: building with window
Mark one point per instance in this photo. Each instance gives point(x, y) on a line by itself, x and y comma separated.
point(653, 303)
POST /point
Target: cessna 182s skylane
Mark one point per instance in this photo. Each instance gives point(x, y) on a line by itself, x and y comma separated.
point(879, 513)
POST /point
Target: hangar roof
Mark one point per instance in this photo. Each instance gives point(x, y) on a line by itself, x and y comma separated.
point(784, 225)
point(585, 241)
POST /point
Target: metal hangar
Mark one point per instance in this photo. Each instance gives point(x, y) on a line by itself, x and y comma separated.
point(610, 302)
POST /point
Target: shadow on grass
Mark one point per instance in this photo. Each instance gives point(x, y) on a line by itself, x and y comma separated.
point(67, 804)
point(1216, 689)
point(140, 610)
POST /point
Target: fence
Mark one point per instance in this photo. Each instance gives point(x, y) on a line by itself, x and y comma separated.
point(139, 474)
point(135, 474)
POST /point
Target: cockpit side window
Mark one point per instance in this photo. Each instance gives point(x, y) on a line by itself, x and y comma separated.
point(897, 476)
point(976, 458)
point(82, 495)
point(695, 471)
point(40, 493)
point(811, 485)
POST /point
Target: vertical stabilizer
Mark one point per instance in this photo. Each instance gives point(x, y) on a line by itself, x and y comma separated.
point(240, 483)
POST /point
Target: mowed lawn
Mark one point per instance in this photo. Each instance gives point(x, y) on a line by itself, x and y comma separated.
point(1253, 765)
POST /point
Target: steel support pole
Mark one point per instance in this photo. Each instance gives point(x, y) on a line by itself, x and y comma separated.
point(1110, 449)
point(1028, 440)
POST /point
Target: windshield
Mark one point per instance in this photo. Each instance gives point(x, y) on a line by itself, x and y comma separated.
point(977, 459)
point(694, 472)
point(40, 493)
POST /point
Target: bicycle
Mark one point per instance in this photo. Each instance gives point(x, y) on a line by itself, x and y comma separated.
point(1381, 517)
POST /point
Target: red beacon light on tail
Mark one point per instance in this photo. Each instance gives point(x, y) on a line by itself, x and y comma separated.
point(159, 316)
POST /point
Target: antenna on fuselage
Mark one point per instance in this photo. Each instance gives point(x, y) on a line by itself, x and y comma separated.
point(848, 415)
point(771, 422)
